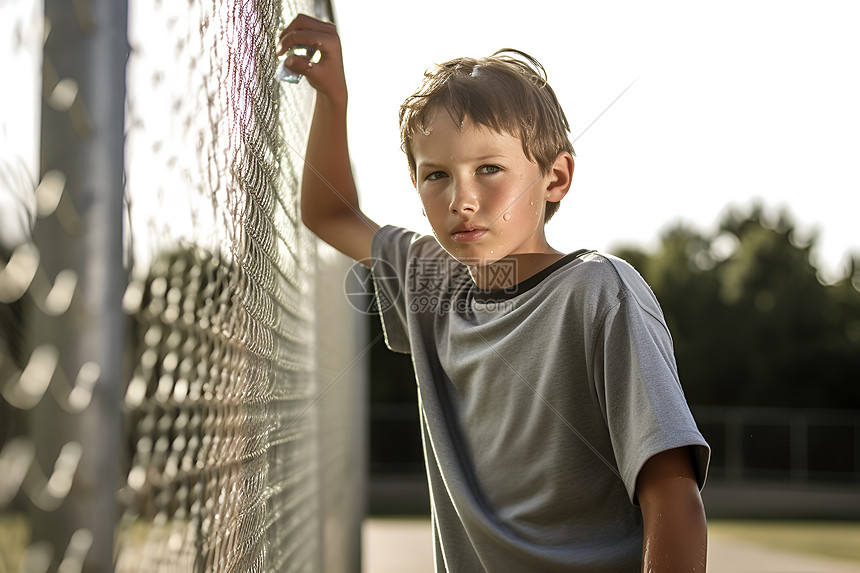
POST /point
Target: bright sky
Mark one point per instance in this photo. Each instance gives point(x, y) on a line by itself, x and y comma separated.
point(732, 101)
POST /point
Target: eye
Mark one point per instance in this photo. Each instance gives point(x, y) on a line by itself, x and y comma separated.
point(436, 175)
point(489, 169)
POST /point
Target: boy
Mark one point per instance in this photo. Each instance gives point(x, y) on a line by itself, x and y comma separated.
point(555, 431)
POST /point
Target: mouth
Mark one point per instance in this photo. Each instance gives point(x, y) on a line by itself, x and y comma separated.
point(468, 234)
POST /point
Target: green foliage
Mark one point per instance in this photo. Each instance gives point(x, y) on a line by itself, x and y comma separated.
point(752, 323)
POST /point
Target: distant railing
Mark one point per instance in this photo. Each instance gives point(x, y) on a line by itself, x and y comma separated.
point(748, 444)
point(794, 444)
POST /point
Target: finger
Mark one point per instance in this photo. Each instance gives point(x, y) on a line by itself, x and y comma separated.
point(305, 22)
point(328, 43)
point(298, 64)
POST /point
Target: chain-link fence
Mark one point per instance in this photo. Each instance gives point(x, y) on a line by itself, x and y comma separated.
point(168, 402)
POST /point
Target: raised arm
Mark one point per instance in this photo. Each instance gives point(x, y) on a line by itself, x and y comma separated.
point(676, 532)
point(329, 201)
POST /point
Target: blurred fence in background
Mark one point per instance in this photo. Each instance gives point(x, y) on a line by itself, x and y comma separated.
point(782, 444)
point(168, 400)
point(766, 462)
point(782, 463)
point(748, 444)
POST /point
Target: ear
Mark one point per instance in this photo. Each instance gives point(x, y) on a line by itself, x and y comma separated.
point(559, 177)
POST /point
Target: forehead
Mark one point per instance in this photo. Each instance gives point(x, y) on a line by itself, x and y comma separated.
point(445, 139)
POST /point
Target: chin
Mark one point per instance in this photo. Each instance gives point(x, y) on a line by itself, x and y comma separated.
point(471, 255)
point(472, 259)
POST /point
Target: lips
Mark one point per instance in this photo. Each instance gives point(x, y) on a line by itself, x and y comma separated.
point(466, 233)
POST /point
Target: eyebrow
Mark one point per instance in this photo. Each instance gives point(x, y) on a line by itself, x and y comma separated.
point(491, 156)
point(434, 165)
point(427, 165)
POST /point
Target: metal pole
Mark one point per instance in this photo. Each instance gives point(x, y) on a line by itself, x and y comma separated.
point(799, 428)
point(734, 420)
point(77, 424)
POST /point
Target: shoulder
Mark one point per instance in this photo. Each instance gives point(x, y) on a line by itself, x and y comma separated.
point(599, 282)
point(597, 273)
point(391, 241)
point(607, 269)
point(634, 285)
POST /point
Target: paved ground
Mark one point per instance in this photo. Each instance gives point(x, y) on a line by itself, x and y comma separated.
point(400, 545)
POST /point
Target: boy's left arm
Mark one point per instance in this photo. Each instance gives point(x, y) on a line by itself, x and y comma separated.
point(676, 531)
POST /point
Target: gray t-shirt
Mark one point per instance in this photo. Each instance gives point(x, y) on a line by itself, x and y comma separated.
point(539, 405)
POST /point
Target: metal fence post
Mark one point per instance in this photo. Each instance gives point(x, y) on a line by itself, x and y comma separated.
point(734, 445)
point(77, 424)
point(800, 446)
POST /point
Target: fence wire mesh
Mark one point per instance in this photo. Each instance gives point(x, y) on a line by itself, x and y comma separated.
point(227, 459)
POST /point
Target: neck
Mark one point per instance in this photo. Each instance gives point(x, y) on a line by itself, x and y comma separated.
point(513, 269)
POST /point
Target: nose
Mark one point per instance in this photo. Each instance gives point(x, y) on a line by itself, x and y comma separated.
point(464, 199)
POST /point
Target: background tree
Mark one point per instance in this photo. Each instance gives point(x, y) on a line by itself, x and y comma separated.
point(753, 323)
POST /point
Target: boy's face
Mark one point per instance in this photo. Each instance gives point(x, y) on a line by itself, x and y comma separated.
point(483, 197)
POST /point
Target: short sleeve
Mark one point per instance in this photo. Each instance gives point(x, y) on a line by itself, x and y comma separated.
point(637, 382)
point(399, 256)
point(390, 253)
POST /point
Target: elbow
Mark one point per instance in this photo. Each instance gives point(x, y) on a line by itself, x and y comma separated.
point(307, 220)
point(310, 221)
